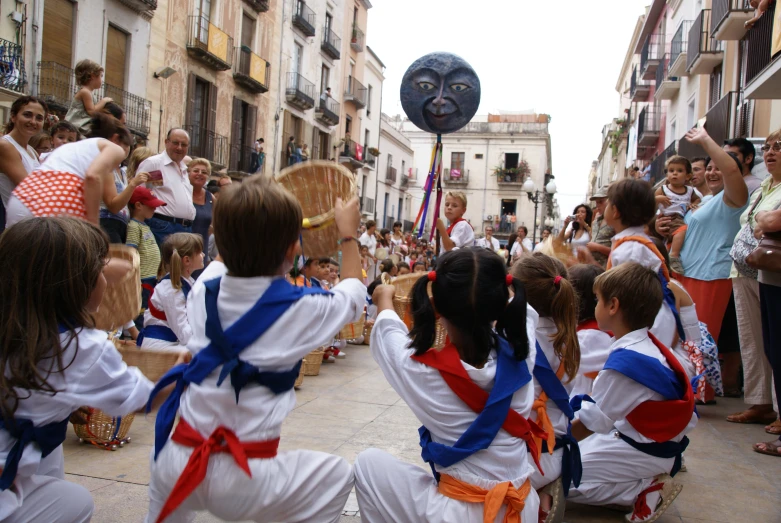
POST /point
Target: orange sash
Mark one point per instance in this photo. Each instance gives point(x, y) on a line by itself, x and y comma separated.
point(542, 417)
point(501, 494)
point(645, 241)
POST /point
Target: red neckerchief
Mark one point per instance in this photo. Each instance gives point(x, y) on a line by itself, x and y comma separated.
point(453, 225)
point(448, 362)
point(154, 311)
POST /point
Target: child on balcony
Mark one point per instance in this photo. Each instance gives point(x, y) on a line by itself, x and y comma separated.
point(89, 75)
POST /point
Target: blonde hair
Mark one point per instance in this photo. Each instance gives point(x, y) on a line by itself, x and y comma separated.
point(38, 139)
point(174, 248)
point(200, 161)
point(85, 70)
point(774, 136)
point(458, 195)
point(138, 155)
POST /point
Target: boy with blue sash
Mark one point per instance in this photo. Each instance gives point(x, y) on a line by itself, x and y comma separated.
point(248, 339)
point(642, 406)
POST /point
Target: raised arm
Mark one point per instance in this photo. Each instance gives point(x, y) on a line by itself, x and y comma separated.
point(735, 190)
point(348, 219)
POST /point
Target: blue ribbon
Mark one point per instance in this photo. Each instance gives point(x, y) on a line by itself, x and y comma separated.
point(665, 450)
point(551, 384)
point(48, 437)
point(669, 299)
point(158, 332)
point(224, 351)
point(646, 371)
point(511, 375)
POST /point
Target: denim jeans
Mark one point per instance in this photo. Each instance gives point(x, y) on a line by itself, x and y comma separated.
point(163, 229)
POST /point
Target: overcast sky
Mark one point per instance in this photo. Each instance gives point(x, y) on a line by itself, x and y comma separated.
point(559, 57)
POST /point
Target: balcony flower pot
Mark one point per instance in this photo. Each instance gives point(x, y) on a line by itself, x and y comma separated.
point(374, 151)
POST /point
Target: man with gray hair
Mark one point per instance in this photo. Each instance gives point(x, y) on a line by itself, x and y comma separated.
point(170, 182)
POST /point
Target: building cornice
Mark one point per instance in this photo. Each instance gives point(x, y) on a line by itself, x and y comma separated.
point(630, 52)
point(651, 17)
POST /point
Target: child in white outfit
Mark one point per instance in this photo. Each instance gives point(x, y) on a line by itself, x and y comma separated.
point(248, 339)
point(56, 361)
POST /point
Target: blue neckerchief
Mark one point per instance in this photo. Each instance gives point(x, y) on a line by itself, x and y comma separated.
point(647, 371)
point(48, 437)
point(551, 384)
point(511, 375)
point(571, 463)
point(224, 351)
point(157, 332)
point(669, 299)
point(185, 285)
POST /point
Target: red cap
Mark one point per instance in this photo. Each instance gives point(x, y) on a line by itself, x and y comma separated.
point(145, 196)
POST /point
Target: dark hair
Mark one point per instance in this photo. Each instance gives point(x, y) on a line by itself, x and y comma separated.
point(17, 106)
point(421, 263)
point(370, 224)
point(85, 70)
point(699, 159)
point(558, 302)
point(403, 265)
point(214, 189)
point(511, 240)
point(634, 200)
point(638, 291)
point(575, 225)
point(386, 265)
point(679, 160)
point(103, 125)
point(311, 261)
point(525, 229)
point(324, 260)
point(397, 224)
point(582, 277)
point(470, 292)
point(114, 109)
point(745, 147)
point(662, 250)
point(63, 125)
point(71, 254)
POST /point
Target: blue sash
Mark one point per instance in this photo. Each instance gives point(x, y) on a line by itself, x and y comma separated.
point(157, 332)
point(551, 384)
point(185, 285)
point(665, 450)
point(224, 351)
point(669, 299)
point(48, 437)
point(511, 375)
point(647, 371)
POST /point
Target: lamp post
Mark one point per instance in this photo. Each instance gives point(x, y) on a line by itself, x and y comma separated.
point(537, 196)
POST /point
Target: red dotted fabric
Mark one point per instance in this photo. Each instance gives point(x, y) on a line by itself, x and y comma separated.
point(52, 193)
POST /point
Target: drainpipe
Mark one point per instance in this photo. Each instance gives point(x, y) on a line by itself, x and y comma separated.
point(34, 87)
point(377, 163)
point(278, 109)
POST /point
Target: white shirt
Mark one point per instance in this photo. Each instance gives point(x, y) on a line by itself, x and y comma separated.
point(483, 242)
point(370, 241)
point(616, 395)
point(29, 161)
point(462, 235)
point(594, 350)
point(311, 322)
point(528, 244)
point(577, 243)
point(173, 303)
point(444, 414)
point(95, 376)
point(176, 190)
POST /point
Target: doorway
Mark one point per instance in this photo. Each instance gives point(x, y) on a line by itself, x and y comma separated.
point(507, 216)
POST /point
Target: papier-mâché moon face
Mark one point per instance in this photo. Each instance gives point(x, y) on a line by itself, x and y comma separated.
point(440, 93)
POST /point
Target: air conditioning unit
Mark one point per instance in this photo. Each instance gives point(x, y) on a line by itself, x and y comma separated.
point(489, 218)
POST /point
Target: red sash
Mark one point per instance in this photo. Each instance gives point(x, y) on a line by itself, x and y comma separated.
point(154, 311)
point(453, 225)
point(448, 362)
point(663, 420)
point(221, 440)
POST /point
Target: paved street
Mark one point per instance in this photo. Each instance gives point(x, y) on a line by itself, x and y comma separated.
point(350, 407)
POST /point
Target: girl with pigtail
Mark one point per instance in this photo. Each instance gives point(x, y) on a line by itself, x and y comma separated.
point(473, 397)
point(549, 292)
point(165, 321)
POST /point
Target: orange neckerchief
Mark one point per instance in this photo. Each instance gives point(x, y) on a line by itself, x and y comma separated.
point(645, 241)
point(501, 494)
point(542, 417)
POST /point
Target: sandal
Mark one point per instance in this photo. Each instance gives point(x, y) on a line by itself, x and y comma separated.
point(771, 448)
point(774, 428)
point(668, 489)
point(750, 416)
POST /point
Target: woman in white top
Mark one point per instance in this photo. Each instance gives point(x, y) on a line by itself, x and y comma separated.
point(397, 238)
point(76, 176)
point(17, 158)
point(578, 231)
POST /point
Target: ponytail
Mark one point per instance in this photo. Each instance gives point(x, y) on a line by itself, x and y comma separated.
point(512, 325)
point(424, 318)
point(175, 268)
point(564, 314)
point(174, 248)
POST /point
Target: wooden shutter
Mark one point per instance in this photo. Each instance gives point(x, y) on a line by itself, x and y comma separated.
point(116, 57)
point(211, 116)
point(249, 136)
point(58, 32)
point(235, 135)
point(247, 31)
point(211, 149)
point(190, 110)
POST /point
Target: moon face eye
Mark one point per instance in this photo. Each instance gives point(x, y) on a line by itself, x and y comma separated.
point(426, 86)
point(459, 88)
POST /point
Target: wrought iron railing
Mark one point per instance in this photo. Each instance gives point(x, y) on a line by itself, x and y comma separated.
point(390, 174)
point(367, 204)
point(356, 39)
point(651, 52)
point(649, 121)
point(241, 158)
point(304, 18)
point(723, 8)
point(657, 166)
point(745, 123)
point(679, 41)
point(258, 5)
point(368, 157)
point(636, 83)
point(355, 91)
point(138, 111)
point(252, 70)
point(663, 72)
point(12, 74)
point(759, 44)
point(404, 181)
point(331, 44)
point(456, 175)
point(56, 85)
point(205, 143)
point(700, 41)
point(350, 150)
point(329, 109)
point(722, 119)
point(216, 49)
point(301, 88)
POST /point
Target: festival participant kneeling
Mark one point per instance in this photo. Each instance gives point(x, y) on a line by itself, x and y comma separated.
point(474, 397)
point(248, 339)
point(643, 404)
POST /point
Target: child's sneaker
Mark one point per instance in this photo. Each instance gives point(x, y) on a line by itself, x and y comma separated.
point(676, 265)
point(340, 354)
point(660, 495)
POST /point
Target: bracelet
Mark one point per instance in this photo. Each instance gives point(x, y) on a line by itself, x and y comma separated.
point(347, 239)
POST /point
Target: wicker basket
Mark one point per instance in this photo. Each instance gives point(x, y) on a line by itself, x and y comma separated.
point(300, 378)
point(367, 331)
point(317, 185)
point(152, 363)
point(352, 331)
point(402, 301)
point(103, 430)
point(312, 362)
point(122, 301)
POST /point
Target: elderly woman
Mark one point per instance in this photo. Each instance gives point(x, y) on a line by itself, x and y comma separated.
point(199, 170)
point(705, 255)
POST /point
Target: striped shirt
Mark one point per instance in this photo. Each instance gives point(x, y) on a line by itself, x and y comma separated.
point(140, 236)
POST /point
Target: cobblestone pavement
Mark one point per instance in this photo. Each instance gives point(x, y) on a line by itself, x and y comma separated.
point(350, 407)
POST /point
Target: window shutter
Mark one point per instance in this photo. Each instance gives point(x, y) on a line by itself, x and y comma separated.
point(188, 115)
point(235, 135)
point(211, 117)
point(249, 136)
point(212, 152)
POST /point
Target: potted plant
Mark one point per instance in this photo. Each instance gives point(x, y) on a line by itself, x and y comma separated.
point(374, 151)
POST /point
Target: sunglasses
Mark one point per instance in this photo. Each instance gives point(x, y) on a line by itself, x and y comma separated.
point(776, 147)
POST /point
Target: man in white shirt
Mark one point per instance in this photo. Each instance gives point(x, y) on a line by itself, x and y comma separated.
point(173, 188)
point(489, 242)
point(527, 243)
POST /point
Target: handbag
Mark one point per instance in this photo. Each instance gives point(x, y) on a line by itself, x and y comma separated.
point(767, 255)
point(744, 244)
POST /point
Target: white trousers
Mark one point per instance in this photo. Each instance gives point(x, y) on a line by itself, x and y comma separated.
point(551, 465)
point(392, 491)
point(299, 485)
point(46, 496)
point(614, 472)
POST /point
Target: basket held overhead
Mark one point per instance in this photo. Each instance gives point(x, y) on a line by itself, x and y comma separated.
point(316, 185)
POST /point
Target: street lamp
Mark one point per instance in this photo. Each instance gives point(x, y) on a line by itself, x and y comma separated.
point(537, 196)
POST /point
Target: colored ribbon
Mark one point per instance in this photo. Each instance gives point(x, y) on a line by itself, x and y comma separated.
point(492, 500)
point(551, 389)
point(47, 437)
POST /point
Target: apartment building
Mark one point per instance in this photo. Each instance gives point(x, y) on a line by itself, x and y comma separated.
point(367, 168)
point(489, 160)
point(397, 171)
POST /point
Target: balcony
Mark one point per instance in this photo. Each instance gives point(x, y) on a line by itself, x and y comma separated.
point(356, 39)
point(138, 111)
point(639, 89)
point(667, 86)
point(240, 159)
point(140, 6)
point(251, 71)
point(12, 77)
point(205, 143)
point(367, 205)
point(355, 92)
point(304, 18)
point(678, 49)
point(404, 181)
point(209, 44)
point(261, 6)
point(722, 119)
point(729, 19)
point(351, 154)
point(763, 71)
point(56, 85)
point(651, 56)
point(369, 158)
point(300, 92)
point(510, 177)
point(649, 126)
point(456, 177)
point(390, 175)
point(328, 111)
point(331, 44)
point(703, 52)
